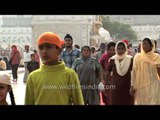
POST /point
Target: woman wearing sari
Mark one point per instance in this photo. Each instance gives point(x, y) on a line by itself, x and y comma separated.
point(145, 75)
point(90, 75)
point(118, 76)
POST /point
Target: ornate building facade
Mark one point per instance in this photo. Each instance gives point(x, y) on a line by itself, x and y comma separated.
point(25, 29)
point(15, 29)
point(80, 27)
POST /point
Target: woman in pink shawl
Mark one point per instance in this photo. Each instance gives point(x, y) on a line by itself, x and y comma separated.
point(15, 56)
point(104, 60)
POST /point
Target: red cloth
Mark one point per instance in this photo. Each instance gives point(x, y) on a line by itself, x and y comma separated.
point(17, 56)
point(126, 41)
point(104, 60)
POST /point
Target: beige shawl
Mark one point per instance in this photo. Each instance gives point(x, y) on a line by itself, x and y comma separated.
point(141, 62)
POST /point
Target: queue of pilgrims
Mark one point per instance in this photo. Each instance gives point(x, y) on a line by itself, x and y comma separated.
point(115, 74)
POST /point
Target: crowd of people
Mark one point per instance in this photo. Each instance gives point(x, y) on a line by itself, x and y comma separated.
point(69, 75)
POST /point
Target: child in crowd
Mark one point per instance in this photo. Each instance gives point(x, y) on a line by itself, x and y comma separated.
point(5, 88)
point(53, 83)
point(33, 64)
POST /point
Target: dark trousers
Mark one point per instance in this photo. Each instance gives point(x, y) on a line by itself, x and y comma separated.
point(14, 71)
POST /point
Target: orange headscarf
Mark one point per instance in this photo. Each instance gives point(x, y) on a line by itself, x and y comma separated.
point(49, 37)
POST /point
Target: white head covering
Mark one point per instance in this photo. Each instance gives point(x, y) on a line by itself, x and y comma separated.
point(5, 79)
point(116, 56)
point(123, 66)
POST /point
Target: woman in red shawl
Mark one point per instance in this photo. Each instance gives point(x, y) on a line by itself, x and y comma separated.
point(104, 60)
point(15, 56)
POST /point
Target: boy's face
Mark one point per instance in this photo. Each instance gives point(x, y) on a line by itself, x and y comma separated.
point(49, 53)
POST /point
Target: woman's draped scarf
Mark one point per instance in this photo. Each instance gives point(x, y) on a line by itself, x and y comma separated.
point(143, 65)
point(123, 66)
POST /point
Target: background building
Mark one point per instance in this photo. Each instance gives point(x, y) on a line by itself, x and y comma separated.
point(136, 19)
point(79, 27)
point(15, 29)
point(25, 29)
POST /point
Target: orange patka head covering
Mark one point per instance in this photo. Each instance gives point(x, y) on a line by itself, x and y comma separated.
point(49, 37)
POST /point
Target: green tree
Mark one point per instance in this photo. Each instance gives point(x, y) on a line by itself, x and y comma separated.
point(119, 31)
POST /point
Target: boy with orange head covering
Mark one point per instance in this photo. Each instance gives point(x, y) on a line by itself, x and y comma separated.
point(53, 83)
